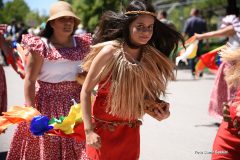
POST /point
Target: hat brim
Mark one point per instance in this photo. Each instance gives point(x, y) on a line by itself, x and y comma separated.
point(63, 14)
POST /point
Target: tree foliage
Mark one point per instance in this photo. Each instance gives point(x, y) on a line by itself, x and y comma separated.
point(18, 10)
point(14, 10)
point(91, 10)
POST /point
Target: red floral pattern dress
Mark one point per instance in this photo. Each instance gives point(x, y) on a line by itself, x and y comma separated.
point(118, 142)
point(52, 100)
point(3, 91)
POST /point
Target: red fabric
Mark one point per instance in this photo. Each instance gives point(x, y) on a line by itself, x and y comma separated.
point(78, 134)
point(3, 91)
point(209, 59)
point(226, 145)
point(122, 143)
point(233, 112)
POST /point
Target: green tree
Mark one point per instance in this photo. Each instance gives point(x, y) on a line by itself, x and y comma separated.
point(14, 10)
point(18, 10)
point(91, 10)
point(34, 19)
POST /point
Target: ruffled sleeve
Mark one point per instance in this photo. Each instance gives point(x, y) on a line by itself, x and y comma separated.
point(34, 44)
point(83, 42)
point(234, 21)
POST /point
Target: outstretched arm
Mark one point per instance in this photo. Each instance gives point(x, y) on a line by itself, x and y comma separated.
point(224, 32)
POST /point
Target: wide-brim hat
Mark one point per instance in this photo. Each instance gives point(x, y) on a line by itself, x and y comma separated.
point(61, 9)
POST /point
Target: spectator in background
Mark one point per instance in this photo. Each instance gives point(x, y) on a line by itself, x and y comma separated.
point(194, 24)
point(12, 30)
point(162, 16)
point(80, 29)
point(23, 29)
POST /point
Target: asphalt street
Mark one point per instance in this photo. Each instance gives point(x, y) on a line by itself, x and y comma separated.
point(187, 134)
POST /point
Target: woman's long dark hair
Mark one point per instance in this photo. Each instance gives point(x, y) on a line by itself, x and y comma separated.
point(116, 25)
point(47, 31)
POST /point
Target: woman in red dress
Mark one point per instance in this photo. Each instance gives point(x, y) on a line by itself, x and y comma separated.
point(3, 91)
point(130, 66)
point(3, 86)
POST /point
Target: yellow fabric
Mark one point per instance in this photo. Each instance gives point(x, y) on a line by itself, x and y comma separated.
point(74, 117)
point(188, 53)
point(193, 52)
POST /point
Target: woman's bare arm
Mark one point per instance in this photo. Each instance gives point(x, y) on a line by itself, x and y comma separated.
point(224, 32)
point(34, 65)
point(92, 79)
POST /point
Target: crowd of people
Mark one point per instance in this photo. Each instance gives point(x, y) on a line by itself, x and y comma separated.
point(128, 56)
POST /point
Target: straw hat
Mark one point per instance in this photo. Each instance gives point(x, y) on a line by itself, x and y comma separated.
point(61, 9)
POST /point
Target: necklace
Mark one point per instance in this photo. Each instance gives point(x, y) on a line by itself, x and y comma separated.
point(132, 60)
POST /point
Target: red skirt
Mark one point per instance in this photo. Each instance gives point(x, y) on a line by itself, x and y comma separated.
point(121, 142)
point(226, 145)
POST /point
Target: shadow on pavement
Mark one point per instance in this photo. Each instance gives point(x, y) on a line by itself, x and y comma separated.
point(3, 155)
point(208, 125)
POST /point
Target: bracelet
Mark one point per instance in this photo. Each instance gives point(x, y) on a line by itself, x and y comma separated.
point(87, 131)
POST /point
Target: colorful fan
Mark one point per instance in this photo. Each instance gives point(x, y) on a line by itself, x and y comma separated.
point(69, 126)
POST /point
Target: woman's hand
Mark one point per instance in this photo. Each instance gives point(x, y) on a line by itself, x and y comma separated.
point(162, 112)
point(198, 36)
point(226, 112)
point(93, 139)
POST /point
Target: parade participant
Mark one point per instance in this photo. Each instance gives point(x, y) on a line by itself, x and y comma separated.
point(50, 84)
point(3, 85)
point(7, 51)
point(230, 28)
point(226, 143)
point(226, 88)
point(129, 64)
